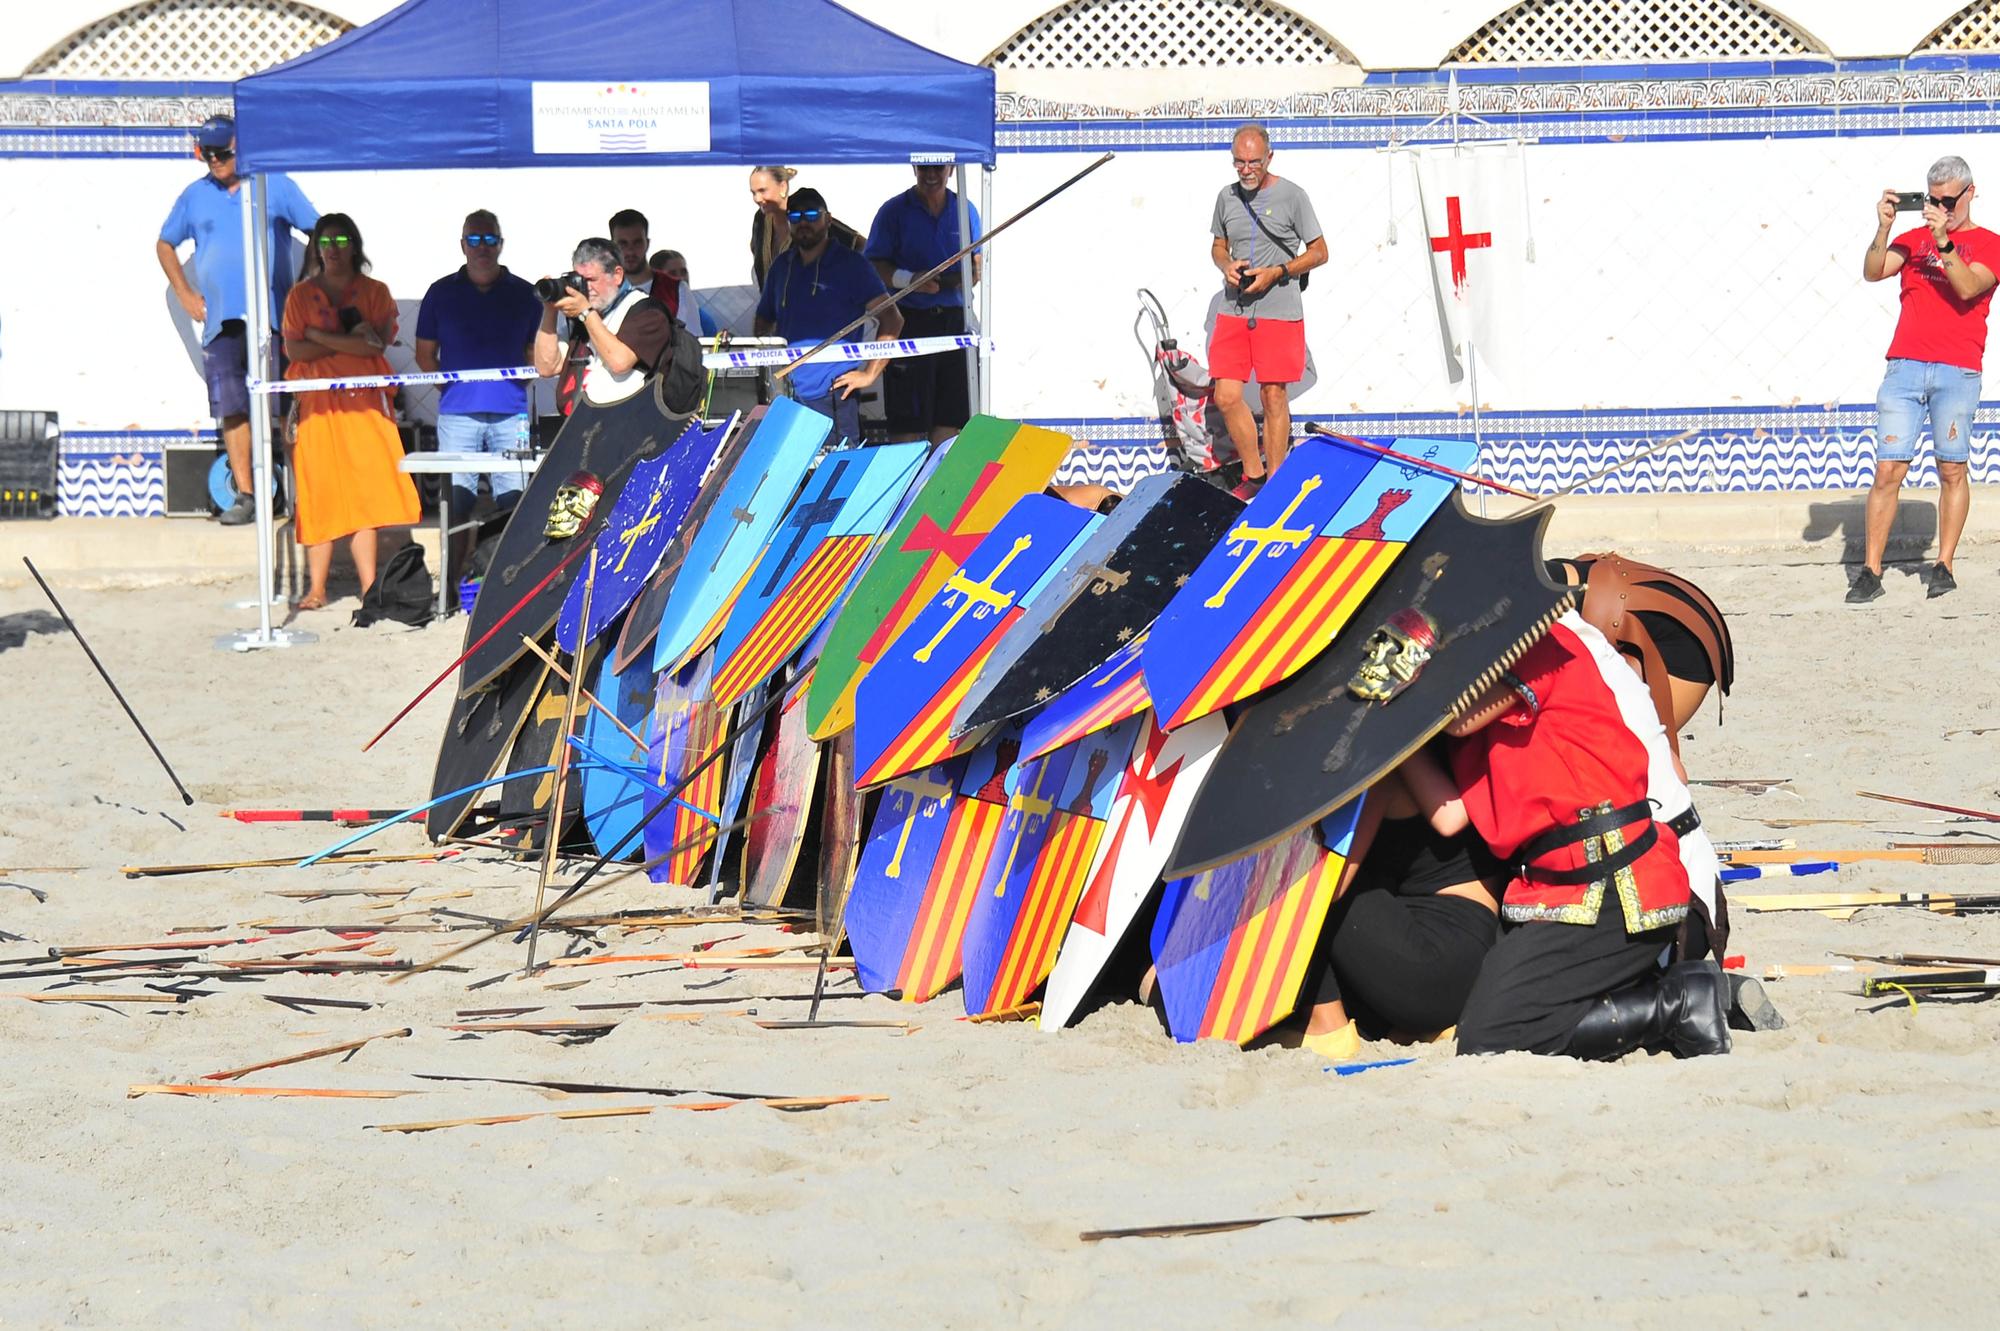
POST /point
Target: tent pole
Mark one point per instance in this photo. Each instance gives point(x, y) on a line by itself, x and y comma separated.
point(973, 378)
point(985, 403)
point(260, 364)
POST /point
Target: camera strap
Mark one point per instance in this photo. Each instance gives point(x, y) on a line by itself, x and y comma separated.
point(1284, 249)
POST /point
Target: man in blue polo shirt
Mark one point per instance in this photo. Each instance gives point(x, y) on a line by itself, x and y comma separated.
point(913, 233)
point(813, 290)
point(481, 317)
point(208, 213)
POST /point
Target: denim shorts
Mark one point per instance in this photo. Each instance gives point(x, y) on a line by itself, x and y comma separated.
point(483, 432)
point(225, 364)
point(1914, 389)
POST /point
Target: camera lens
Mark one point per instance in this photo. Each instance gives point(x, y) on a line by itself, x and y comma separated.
point(550, 289)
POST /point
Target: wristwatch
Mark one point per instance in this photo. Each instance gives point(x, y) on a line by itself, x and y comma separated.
point(1949, 247)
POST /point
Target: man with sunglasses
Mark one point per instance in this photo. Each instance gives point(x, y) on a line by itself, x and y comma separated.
point(209, 213)
point(1935, 358)
point(481, 317)
point(814, 289)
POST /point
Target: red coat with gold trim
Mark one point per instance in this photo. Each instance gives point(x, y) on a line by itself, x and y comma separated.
point(1588, 744)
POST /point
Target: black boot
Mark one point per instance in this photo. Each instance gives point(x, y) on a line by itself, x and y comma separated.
point(1750, 1008)
point(1684, 1009)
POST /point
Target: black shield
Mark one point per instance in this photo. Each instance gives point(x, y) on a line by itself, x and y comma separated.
point(1302, 750)
point(607, 442)
point(1115, 585)
point(478, 735)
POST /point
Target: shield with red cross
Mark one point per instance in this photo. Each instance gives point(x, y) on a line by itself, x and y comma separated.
point(986, 469)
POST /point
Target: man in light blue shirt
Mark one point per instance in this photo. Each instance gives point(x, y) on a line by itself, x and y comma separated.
point(209, 213)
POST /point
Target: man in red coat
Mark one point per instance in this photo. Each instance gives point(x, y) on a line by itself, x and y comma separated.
point(1562, 767)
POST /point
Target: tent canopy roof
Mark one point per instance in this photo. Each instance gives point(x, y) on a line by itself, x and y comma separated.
point(486, 83)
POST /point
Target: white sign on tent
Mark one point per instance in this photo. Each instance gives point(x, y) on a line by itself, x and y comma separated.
point(601, 118)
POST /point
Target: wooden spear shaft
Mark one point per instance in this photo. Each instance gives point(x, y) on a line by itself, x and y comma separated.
point(896, 297)
point(555, 827)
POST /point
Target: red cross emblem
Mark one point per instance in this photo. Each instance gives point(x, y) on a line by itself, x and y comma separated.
point(1457, 241)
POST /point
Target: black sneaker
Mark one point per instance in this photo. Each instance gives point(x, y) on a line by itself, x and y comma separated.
point(242, 511)
point(1867, 587)
point(1939, 582)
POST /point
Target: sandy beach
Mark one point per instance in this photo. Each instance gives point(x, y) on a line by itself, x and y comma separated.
point(1833, 1174)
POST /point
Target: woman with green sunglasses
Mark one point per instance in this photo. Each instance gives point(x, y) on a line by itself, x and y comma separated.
point(348, 455)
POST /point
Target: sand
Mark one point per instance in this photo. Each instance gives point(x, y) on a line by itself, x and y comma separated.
point(1838, 1173)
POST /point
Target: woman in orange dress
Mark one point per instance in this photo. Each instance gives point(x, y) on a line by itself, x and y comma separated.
point(347, 457)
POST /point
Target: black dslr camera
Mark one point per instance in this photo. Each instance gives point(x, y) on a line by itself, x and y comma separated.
point(552, 289)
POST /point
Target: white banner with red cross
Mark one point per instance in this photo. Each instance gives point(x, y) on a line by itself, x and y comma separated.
point(1477, 245)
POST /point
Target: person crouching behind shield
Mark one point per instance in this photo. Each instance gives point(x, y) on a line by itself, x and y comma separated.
point(1417, 912)
point(1560, 765)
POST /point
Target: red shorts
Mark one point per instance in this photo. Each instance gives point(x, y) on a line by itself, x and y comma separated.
point(1274, 352)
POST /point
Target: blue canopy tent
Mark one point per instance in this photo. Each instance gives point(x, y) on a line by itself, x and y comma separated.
point(456, 83)
point(516, 83)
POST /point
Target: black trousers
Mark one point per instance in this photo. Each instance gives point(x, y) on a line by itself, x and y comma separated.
point(925, 393)
point(1400, 963)
point(1540, 979)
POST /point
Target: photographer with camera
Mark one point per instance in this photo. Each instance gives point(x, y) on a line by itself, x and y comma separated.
point(1266, 239)
point(1935, 359)
point(630, 334)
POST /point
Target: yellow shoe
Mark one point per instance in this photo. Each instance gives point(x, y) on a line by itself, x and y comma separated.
point(1341, 1044)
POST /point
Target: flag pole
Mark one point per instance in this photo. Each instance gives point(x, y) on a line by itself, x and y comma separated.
point(1471, 336)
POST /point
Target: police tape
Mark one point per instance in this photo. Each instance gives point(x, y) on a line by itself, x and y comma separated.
point(268, 386)
point(754, 358)
point(845, 351)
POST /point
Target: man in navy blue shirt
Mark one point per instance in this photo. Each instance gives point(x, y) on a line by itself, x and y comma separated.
point(914, 232)
point(208, 212)
point(813, 290)
point(481, 317)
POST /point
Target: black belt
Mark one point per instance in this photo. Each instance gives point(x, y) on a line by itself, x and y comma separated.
point(1591, 825)
point(1684, 822)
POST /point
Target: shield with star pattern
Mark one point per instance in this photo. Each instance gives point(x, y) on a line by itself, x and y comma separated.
point(1105, 595)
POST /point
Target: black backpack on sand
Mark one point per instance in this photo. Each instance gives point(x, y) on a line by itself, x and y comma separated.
point(403, 591)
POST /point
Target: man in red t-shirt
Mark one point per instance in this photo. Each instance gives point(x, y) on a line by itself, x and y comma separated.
point(1934, 361)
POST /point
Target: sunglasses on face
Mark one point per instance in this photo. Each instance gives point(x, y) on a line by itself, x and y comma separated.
point(1244, 162)
point(329, 242)
point(485, 240)
point(217, 154)
point(804, 214)
point(1949, 203)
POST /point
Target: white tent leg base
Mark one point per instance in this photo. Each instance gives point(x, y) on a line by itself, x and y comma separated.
point(253, 640)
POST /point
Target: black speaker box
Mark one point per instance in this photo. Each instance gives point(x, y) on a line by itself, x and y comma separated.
point(28, 442)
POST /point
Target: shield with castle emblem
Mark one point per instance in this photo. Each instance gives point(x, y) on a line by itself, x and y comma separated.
point(1312, 744)
point(1279, 589)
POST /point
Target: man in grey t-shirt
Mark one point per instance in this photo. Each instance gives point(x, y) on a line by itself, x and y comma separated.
point(1266, 238)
